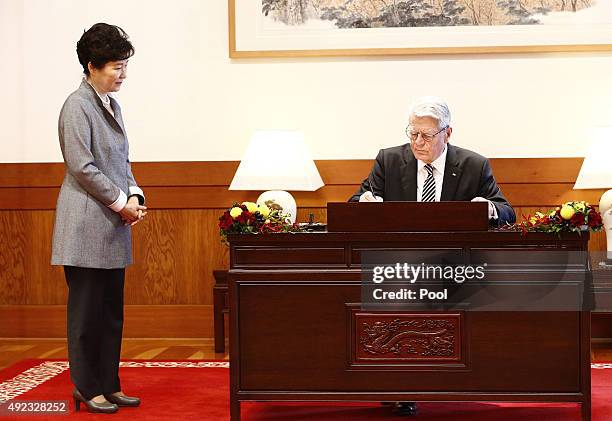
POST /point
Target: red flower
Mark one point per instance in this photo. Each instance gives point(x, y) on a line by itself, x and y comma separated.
point(594, 219)
point(226, 221)
point(578, 219)
point(244, 217)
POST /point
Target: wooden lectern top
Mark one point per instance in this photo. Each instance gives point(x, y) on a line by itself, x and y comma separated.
point(407, 216)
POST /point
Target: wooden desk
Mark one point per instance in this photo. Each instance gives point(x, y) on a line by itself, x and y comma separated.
point(297, 328)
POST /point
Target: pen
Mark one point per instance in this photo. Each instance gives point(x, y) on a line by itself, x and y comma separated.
point(370, 184)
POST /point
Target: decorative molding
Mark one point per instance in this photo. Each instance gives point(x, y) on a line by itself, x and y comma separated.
point(414, 337)
point(381, 340)
point(203, 185)
point(141, 321)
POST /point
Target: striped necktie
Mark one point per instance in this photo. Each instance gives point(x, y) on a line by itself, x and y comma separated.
point(429, 187)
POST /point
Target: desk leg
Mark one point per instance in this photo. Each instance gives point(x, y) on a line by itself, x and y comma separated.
point(234, 409)
point(585, 409)
point(585, 345)
point(218, 321)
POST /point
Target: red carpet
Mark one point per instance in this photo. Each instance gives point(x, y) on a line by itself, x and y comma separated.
point(198, 390)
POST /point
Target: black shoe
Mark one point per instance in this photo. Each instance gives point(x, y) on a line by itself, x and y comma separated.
point(123, 400)
point(405, 408)
point(102, 408)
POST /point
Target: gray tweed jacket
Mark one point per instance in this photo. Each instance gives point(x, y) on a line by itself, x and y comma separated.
point(94, 144)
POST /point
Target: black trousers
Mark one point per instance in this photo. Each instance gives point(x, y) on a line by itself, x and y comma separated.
point(95, 328)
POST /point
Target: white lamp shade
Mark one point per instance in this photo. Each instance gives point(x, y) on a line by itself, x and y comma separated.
point(277, 160)
point(596, 170)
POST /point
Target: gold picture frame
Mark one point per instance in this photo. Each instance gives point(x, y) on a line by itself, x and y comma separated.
point(238, 51)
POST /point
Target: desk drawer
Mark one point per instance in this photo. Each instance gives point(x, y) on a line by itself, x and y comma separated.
point(288, 256)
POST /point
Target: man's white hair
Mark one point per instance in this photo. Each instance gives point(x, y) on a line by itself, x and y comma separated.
point(432, 106)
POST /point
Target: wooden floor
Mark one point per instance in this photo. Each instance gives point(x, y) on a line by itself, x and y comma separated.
point(13, 350)
point(601, 351)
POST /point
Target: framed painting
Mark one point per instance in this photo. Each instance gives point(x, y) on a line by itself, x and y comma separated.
point(315, 28)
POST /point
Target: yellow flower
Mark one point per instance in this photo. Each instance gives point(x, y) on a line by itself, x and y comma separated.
point(533, 220)
point(267, 221)
point(235, 212)
point(264, 210)
point(579, 206)
point(567, 212)
point(251, 207)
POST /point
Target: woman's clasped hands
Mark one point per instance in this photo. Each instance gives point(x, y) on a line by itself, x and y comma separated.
point(132, 213)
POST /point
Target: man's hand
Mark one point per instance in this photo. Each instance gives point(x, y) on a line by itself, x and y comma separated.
point(132, 212)
point(492, 208)
point(369, 197)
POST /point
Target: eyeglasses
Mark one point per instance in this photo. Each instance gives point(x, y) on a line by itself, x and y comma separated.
point(427, 137)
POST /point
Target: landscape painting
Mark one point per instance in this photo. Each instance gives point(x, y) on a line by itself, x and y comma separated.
point(260, 28)
point(419, 13)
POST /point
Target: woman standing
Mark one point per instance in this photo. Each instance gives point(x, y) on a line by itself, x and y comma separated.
point(99, 202)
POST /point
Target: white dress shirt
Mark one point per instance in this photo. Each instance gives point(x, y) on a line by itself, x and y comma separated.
point(438, 174)
point(104, 98)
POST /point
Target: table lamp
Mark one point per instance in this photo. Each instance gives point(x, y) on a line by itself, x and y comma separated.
point(276, 161)
point(596, 173)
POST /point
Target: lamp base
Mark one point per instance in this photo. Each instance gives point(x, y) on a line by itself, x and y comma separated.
point(605, 209)
point(280, 200)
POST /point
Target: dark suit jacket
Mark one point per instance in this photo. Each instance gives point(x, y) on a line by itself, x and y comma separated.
point(466, 175)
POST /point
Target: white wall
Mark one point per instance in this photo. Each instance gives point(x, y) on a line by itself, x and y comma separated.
point(186, 100)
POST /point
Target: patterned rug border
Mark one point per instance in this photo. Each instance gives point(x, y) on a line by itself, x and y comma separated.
point(600, 366)
point(37, 375)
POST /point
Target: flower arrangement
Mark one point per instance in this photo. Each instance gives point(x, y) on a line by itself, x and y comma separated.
point(251, 218)
point(573, 216)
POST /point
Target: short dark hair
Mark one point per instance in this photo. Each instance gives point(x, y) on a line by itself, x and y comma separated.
point(103, 43)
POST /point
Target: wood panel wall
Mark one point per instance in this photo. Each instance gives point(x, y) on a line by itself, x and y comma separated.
point(169, 288)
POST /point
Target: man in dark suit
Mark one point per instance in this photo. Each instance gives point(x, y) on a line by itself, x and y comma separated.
point(429, 169)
